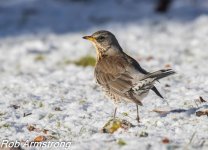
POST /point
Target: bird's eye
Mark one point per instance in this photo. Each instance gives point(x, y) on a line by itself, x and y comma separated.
point(100, 38)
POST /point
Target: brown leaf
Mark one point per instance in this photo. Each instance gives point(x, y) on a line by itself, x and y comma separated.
point(45, 131)
point(201, 113)
point(35, 129)
point(165, 140)
point(161, 112)
point(126, 124)
point(167, 66)
point(31, 128)
point(40, 138)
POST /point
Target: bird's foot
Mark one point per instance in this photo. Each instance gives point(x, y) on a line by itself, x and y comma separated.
point(138, 119)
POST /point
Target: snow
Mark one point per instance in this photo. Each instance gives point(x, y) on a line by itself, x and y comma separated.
point(35, 77)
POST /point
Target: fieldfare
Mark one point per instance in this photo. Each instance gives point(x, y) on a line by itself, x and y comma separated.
point(119, 75)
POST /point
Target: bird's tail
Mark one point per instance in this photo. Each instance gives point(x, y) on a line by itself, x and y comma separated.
point(157, 75)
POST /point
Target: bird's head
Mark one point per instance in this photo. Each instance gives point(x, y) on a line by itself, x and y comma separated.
point(105, 42)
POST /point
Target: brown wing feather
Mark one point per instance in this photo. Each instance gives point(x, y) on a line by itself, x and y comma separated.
point(112, 74)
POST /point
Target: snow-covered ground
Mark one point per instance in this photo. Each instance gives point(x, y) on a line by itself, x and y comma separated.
point(39, 89)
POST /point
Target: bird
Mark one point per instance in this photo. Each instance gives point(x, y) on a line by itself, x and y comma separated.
point(121, 76)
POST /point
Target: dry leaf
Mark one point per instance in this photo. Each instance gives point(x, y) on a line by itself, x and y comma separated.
point(111, 126)
point(31, 128)
point(201, 113)
point(161, 112)
point(165, 140)
point(45, 131)
point(126, 124)
point(40, 138)
point(167, 66)
point(114, 124)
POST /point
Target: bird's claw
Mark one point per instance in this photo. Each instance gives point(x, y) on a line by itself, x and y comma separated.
point(138, 119)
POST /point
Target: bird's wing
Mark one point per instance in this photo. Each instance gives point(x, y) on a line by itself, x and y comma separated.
point(157, 92)
point(137, 66)
point(112, 73)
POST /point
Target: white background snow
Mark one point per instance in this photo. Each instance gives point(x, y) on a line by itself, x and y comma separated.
point(37, 37)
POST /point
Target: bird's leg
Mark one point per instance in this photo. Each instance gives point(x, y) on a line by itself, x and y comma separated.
point(114, 114)
point(137, 118)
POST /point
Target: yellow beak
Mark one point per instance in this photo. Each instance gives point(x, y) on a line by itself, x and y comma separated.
point(90, 38)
